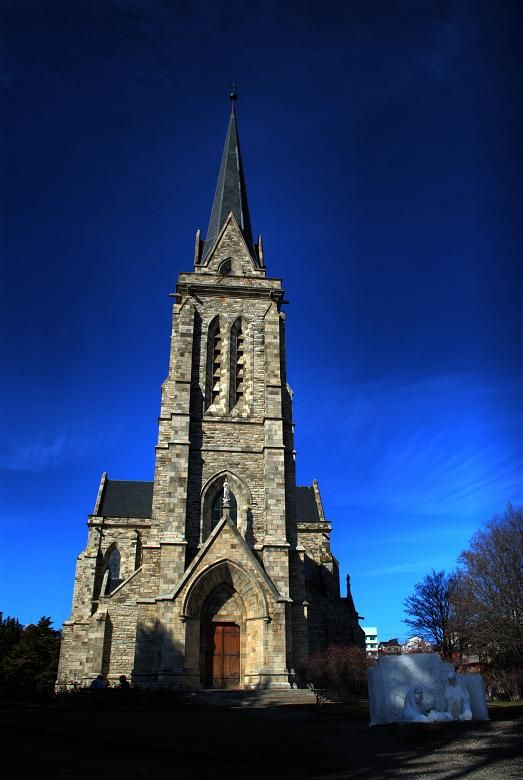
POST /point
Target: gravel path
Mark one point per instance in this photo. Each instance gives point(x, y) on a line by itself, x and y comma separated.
point(274, 743)
point(493, 750)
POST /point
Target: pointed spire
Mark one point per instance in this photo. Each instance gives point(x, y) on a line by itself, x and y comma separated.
point(230, 194)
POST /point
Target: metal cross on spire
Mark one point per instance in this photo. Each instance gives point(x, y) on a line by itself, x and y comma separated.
point(233, 94)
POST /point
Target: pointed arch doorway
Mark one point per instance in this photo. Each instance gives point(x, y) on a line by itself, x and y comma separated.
point(225, 593)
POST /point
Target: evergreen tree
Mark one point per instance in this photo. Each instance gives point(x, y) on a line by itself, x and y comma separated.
point(10, 634)
point(30, 666)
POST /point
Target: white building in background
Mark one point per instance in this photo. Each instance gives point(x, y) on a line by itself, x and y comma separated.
point(371, 641)
point(416, 644)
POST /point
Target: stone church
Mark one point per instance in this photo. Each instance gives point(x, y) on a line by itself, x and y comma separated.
point(219, 572)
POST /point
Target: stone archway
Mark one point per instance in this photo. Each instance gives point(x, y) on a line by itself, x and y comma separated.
point(226, 616)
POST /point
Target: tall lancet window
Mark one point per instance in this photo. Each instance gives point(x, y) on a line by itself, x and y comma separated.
point(214, 363)
point(217, 508)
point(237, 386)
point(138, 551)
point(113, 565)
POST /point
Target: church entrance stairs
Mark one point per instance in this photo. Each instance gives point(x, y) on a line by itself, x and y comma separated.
point(265, 697)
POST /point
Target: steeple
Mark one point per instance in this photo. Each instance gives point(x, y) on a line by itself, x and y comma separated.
point(231, 194)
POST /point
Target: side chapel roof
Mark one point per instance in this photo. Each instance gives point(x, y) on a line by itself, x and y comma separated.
point(128, 498)
point(307, 506)
point(125, 498)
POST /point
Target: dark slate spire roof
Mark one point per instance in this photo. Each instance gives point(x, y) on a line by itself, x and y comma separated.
point(231, 194)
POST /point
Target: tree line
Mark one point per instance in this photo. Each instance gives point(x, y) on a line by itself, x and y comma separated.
point(28, 658)
point(476, 611)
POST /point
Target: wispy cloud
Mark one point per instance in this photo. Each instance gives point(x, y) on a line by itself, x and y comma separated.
point(408, 567)
point(425, 535)
point(44, 451)
point(444, 446)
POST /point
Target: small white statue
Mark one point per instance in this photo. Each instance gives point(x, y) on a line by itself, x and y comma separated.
point(226, 494)
point(458, 699)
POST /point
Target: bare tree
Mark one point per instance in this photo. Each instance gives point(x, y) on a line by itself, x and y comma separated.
point(429, 610)
point(490, 596)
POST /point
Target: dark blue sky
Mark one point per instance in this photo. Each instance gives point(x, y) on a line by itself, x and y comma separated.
point(382, 147)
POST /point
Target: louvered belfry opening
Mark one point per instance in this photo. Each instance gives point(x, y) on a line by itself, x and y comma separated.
point(214, 363)
point(237, 383)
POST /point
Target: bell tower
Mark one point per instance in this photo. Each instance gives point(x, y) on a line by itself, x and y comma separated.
point(226, 410)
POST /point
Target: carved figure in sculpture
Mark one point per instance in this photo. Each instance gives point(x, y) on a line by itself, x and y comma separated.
point(226, 494)
point(457, 698)
point(418, 707)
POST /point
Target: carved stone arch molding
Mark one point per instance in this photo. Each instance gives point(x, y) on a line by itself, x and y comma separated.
point(243, 500)
point(241, 581)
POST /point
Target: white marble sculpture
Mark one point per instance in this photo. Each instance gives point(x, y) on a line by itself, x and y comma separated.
point(419, 707)
point(420, 687)
point(458, 699)
point(416, 707)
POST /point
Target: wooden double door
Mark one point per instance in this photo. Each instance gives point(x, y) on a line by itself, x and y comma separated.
point(222, 655)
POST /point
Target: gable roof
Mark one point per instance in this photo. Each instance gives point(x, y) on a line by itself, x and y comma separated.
point(225, 525)
point(125, 498)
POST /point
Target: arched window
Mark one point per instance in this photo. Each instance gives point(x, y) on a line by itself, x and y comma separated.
point(214, 363)
point(225, 267)
point(217, 508)
point(237, 373)
point(113, 566)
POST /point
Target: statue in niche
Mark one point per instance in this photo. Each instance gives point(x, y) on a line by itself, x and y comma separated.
point(457, 698)
point(418, 707)
point(226, 494)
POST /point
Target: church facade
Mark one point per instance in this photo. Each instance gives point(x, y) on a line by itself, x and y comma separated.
point(219, 572)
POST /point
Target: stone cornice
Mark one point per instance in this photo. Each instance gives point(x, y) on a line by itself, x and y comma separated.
point(323, 526)
point(229, 280)
point(97, 521)
point(197, 289)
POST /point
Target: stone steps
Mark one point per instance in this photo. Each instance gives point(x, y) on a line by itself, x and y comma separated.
point(265, 697)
